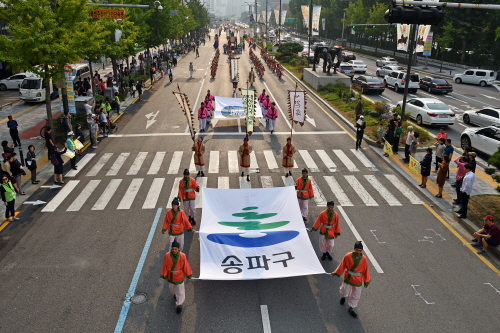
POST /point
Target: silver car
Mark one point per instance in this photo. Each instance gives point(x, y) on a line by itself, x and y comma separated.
point(483, 117)
point(386, 70)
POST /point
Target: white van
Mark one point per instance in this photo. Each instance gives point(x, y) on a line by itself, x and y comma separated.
point(32, 89)
point(482, 77)
point(80, 71)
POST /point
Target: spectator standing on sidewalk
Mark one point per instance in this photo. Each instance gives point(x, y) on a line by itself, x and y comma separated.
point(409, 139)
point(92, 130)
point(441, 176)
point(472, 161)
point(448, 151)
point(425, 167)
point(460, 162)
point(397, 137)
point(13, 131)
point(414, 144)
point(360, 131)
point(59, 166)
point(359, 106)
point(441, 135)
point(439, 153)
point(466, 190)
point(389, 137)
point(31, 163)
point(8, 193)
point(70, 144)
point(88, 107)
point(6, 148)
point(17, 171)
point(103, 121)
point(48, 140)
point(139, 87)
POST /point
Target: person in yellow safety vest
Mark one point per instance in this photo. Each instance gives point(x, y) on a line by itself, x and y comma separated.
point(8, 193)
point(304, 188)
point(187, 194)
point(70, 144)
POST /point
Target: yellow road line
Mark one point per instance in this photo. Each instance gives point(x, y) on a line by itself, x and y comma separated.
point(135, 100)
point(465, 242)
point(19, 113)
point(6, 223)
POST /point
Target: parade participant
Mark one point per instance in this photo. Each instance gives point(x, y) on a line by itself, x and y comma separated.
point(271, 115)
point(174, 269)
point(210, 108)
point(329, 229)
point(251, 76)
point(266, 104)
point(170, 74)
point(288, 162)
point(304, 188)
point(199, 161)
point(202, 116)
point(210, 97)
point(244, 153)
point(354, 267)
point(262, 97)
point(191, 70)
point(187, 188)
point(175, 223)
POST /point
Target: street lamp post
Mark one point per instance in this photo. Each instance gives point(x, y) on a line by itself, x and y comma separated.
point(310, 35)
point(279, 24)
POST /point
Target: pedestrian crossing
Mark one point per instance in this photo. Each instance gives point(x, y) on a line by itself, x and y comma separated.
point(141, 193)
point(173, 163)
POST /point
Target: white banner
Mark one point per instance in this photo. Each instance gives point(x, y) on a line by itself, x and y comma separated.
point(248, 100)
point(315, 20)
point(283, 16)
point(232, 108)
point(403, 36)
point(422, 32)
point(297, 100)
point(276, 16)
point(249, 234)
point(305, 14)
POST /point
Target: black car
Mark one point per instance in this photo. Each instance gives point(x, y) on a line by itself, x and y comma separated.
point(369, 84)
point(435, 85)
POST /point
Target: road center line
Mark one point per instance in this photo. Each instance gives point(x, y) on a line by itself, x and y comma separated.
point(137, 274)
point(266, 324)
point(358, 237)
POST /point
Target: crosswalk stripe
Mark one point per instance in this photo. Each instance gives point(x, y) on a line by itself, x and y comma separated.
point(223, 182)
point(157, 162)
point(363, 159)
point(271, 161)
point(319, 198)
point(175, 163)
point(339, 193)
point(360, 191)
point(201, 183)
point(327, 160)
point(192, 167)
point(136, 166)
point(345, 160)
point(384, 192)
point(288, 181)
point(174, 192)
point(232, 161)
point(83, 196)
point(108, 193)
point(213, 166)
point(253, 161)
point(267, 181)
point(244, 183)
point(295, 165)
point(129, 196)
point(81, 163)
point(410, 195)
point(61, 196)
point(308, 160)
point(153, 194)
point(113, 171)
point(98, 166)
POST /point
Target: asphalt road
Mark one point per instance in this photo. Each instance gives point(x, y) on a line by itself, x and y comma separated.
point(71, 262)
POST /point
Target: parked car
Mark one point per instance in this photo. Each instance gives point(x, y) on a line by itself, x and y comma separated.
point(482, 77)
point(429, 111)
point(486, 139)
point(386, 61)
point(346, 56)
point(435, 85)
point(386, 70)
point(397, 80)
point(358, 65)
point(369, 84)
point(483, 117)
point(346, 69)
point(12, 82)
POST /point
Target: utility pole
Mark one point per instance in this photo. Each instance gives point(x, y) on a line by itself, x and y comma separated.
point(267, 35)
point(279, 24)
point(310, 33)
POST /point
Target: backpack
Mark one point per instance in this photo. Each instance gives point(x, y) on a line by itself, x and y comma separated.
point(54, 160)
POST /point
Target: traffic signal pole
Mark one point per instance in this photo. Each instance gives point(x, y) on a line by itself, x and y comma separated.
point(413, 28)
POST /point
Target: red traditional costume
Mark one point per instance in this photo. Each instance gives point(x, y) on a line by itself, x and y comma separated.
point(175, 268)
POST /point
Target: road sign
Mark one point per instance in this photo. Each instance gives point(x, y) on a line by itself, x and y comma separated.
point(108, 13)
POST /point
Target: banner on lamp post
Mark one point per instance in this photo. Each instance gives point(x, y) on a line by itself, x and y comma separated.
point(315, 20)
point(422, 33)
point(403, 32)
point(283, 16)
point(305, 14)
point(323, 23)
point(428, 44)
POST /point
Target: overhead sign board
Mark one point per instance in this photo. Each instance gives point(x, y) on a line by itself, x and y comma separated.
point(108, 13)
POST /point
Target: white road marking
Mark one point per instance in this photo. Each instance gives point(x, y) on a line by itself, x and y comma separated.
point(345, 160)
point(339, 193)
point(192, 167)
point(136, 166)
point(174, 192)
point(129, 196)
point(366, 250)
point(327, 160)
point(83, 196)
point(410, 195)
point(271, 161)
point(232, 160)
point(285, 117)
point(266, 324)
point(319, 198)
point(363, 159)
point(213, 166)
point(151, 118)
point(201, 183)
point(267, 181)
point(175, 163)
point(227, 134)
point(98, 166)
point(223, 182)
point(83, 162)
point(253, 161)
point(490, 97)
point(308, 160)
point(113, 171)
point(156, 164)
point(360, 191)
point(107, 194)
point(382, 190)
point(153, 193)
point(61, 196)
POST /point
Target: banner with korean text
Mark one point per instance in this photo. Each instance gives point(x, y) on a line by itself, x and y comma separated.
point(414, 165)
point(249, 234)
point(232, 108)
point(248, 100)
point(297, 106)
point(315, 20)
point(388, 148)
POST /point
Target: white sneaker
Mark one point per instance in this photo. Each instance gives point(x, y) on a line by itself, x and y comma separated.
point(95, 147)
point(16, 218)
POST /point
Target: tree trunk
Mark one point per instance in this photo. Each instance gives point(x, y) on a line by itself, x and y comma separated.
point(115, 69)
point(464, 46)
point(91, 77)
point(48, 106)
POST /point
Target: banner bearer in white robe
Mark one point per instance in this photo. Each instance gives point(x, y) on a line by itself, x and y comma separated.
point(329, 229)
point(288, 152)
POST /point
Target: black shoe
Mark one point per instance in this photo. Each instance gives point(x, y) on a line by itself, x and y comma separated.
point(458, 211)
point(75, 168)
point(342, 301)
point(178, 309)
point(242, 174)
point(474, 240)
point(248, 178)
point(462, 216)
point(329, 256)
point(352, 313)
point(175, 298)
point(305, 219)
point(453, 185)
point(193, 222)
point(478, 245)
point(202, 174)
point(290, 173)
point(286, 176)
point(272, 131)
point(323, 257)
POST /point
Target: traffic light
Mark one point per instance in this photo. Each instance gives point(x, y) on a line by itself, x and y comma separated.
point(372, 26)
point(351, 26)
point(414, 15)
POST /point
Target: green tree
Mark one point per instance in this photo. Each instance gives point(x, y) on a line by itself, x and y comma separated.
point(376, 16)
point(45, 35)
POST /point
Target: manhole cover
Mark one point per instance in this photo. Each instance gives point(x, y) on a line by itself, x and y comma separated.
point(138, 298)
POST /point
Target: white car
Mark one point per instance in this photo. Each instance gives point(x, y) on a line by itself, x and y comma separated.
point(386, 70)
point(12, 82)
point(386, 61)
point(483, 117)
point(486, 139)
point(429, 111)
point(358, 65)
point(482, 77)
